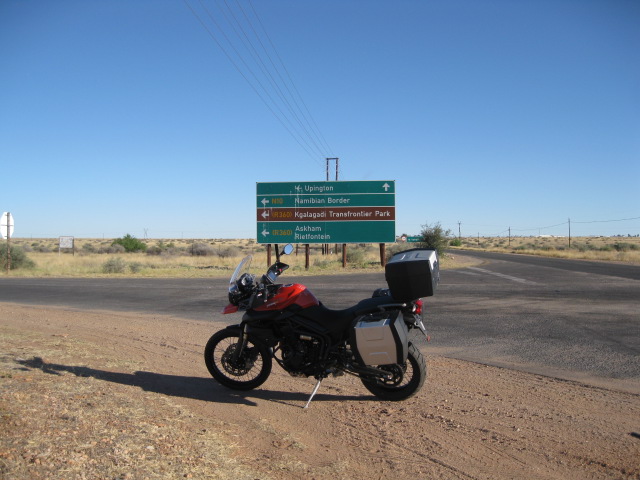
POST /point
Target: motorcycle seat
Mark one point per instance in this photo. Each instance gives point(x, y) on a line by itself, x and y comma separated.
point(338, 321)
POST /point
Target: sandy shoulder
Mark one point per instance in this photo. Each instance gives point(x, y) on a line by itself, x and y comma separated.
point(128, 396)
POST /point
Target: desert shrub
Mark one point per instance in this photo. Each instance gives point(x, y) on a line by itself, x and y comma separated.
point(130, 243)
point(456, 242)
point(155, 250)
point(135, 267)
point(114, 265)
point(625, 247)
point(117, 248)
point(201, 250)
point(356, 256)
point(435, 237)
point(227, 252)
point(88, 248)
point(19, 258)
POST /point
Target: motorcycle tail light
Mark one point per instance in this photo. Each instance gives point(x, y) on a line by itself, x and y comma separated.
point(417, 309)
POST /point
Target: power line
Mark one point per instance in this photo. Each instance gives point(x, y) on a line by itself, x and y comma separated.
point(269, 90)
point(252, 74)
point(264, 68)
point(568, 223)
point(607, 221)
point(317, 129)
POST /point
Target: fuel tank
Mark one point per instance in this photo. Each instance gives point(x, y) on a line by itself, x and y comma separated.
point(287, 295)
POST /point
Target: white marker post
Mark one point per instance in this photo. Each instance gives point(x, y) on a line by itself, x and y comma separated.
point(6, 228)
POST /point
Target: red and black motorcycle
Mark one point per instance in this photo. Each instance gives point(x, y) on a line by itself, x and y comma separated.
point(287, 323)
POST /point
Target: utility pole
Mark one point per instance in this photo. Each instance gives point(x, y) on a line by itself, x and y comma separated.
point(325, 247)
point(459, 235)
point(509, 236)
point(569, 232)
point(336, 160)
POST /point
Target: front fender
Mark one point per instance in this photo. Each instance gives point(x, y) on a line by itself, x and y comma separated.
point(258, 334)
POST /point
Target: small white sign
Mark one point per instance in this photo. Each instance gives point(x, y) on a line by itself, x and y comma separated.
point(6, 225)
point(66, 242)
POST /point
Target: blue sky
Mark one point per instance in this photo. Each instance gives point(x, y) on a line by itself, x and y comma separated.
point(127, 117)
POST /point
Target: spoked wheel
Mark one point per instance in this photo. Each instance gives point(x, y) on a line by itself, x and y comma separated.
point(403, 382)
point(244, 371)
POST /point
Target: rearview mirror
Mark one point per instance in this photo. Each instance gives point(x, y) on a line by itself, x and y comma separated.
point(287, 249)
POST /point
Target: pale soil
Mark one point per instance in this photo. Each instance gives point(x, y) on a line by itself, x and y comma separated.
point(105, 395)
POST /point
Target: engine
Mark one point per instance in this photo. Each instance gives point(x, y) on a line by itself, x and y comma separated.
point(301, 355)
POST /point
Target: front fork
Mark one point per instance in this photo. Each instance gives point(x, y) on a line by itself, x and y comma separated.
point(242, 343)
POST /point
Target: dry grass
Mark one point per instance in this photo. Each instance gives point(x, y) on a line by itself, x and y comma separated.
point(611, 249)
point(177, 258)
point(59, 423)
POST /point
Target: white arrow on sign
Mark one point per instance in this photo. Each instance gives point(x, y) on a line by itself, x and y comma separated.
point(6, 225)
point(264, 201)
point(264, 232)
point(265, 214)
point(386, 187)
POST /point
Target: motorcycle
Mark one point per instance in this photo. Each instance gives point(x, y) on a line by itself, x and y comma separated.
point(288, 324)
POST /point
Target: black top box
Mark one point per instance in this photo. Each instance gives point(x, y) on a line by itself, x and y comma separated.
point(413, 274)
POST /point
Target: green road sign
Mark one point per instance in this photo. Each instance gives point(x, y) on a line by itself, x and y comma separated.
point(329, 200)
point(325, 188)
point(326, 212)
point(414, 239)
point(327, 232)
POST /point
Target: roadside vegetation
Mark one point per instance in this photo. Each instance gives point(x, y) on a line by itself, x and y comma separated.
point(610, 249)
point(218, 257)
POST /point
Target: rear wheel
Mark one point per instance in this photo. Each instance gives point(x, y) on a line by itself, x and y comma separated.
point(245, 371)
point(405, 380)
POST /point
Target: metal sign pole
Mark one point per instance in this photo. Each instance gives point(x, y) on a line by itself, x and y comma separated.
point(8, 242)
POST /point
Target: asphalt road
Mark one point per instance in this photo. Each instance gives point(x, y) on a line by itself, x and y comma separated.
point(570, 319)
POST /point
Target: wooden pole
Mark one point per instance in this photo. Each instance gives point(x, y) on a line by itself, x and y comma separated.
point(383, 256)
point(268, 255)
point(344, 255)
point(306, 256)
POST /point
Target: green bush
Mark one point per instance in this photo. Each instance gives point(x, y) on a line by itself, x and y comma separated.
point(456, 242)
point(435, 237)
point(19, 259)
point(625, 247)
point(130, 243)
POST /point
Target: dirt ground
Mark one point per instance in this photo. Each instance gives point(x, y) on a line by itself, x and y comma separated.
point(101, 395)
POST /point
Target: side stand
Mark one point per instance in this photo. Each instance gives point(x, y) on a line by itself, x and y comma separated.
point(315, 390)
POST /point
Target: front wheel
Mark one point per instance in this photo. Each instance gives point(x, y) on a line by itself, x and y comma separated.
point(244, 371)
point(405, 380)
